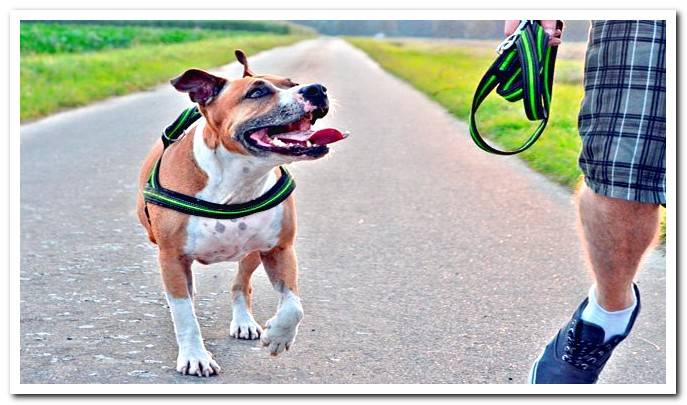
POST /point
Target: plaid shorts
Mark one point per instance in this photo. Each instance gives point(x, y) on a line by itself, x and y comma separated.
point(622, 120)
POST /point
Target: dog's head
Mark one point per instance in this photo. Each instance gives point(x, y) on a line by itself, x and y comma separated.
point(266, 116)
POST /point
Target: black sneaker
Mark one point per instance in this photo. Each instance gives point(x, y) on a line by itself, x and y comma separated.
point(578, 353)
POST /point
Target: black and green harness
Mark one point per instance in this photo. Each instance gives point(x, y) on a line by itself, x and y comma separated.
point(523, 71)
point(155, 193)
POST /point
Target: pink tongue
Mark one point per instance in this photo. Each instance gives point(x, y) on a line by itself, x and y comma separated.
point(326, 136)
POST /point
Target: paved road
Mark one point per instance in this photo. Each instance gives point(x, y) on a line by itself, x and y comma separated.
point(423, 259)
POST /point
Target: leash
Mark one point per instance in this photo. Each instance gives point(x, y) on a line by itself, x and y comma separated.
point(521, 72)
point(155, 193)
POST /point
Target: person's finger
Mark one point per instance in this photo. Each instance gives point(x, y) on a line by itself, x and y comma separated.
point(510, 26)
point(549, 26)
point(553, 32)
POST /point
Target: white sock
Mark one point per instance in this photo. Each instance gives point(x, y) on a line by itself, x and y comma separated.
point(613, 322)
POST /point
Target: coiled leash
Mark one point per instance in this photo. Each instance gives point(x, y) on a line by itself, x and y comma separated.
point(155, 193)
point(521, 72)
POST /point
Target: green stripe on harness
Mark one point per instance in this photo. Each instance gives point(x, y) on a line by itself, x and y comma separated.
point(523, 70)
point(155, 193)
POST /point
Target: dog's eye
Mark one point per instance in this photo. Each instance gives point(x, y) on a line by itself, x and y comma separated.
point(258, 92)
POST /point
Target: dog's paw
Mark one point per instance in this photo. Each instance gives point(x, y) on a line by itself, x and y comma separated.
point(280, 332)
point(197, 362)
point(245, 328)
point(278, 338)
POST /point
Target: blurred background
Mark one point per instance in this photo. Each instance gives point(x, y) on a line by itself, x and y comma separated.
point(469, 29)
point(66, 64)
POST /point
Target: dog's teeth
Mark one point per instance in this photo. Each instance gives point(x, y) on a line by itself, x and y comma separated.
point(308, 143)
point(278, 142)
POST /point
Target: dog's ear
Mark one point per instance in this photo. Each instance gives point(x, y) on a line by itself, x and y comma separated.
point(201, 86)
point(243, 59)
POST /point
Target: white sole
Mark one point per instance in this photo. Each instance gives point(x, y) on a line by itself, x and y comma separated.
point(533, 369)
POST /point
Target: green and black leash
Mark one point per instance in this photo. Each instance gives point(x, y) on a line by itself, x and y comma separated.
point(155, 193)
point(523, 71)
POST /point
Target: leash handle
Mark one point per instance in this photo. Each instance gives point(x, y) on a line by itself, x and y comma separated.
point(510, 40)
point(521, 72)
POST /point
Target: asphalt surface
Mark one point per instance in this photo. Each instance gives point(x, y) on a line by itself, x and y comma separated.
point(422, 259)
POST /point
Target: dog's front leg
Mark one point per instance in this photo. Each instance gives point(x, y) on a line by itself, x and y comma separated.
point(243, 325)
point(282, 269)
point(193, 358)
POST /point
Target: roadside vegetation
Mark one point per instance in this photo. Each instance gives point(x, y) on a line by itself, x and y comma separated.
point(73, 64)
point(75, 38)
point(448, 72)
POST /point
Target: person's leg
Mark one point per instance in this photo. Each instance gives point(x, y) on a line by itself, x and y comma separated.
point(622, 126)
point(616, 234)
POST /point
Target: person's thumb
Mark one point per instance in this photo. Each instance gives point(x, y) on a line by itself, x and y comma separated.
point(510, 27)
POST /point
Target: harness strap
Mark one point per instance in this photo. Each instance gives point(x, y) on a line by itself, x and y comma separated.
point(172, 133)
point(158, 195)
point(521, 72)
point(145, 211)
point(155, 193)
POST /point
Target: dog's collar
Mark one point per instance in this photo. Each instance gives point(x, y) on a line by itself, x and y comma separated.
point(155, 193)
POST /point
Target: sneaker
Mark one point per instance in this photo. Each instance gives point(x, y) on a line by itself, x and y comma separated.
point(577, 354)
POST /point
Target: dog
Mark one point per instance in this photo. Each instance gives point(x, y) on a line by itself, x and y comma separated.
point(249, 127)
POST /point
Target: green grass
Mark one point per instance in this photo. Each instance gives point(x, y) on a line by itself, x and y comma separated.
point(51, 82)
point(265, 26)
point(88, 36)
point(449, 72)
point(37, 38)
point(449, 75)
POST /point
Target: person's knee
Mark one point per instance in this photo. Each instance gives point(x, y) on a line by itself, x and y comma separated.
point(617, 225)
point(625, 209)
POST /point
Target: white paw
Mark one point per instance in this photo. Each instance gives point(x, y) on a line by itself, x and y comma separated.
point(197, 362)
point(245, 327)
point(280, 331)
point(278, 338)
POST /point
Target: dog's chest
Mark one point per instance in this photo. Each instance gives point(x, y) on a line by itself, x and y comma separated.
point(212, 240)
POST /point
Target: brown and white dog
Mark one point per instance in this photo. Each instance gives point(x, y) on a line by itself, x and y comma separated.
point(249, 126)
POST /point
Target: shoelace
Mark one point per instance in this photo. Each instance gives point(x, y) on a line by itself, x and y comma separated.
point(584, 354)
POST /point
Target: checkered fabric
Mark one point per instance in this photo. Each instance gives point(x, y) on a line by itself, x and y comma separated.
point(622, 120)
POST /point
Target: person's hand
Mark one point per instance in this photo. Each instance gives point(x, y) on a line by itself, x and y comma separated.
point(548, 25)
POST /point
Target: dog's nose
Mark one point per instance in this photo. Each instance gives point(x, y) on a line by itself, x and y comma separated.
point(316, 94)
point(314, 90)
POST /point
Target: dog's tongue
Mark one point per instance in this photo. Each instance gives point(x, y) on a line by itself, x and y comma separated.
point(326, 136)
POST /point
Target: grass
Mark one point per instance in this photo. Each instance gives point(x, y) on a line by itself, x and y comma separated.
point(266, 26)
point(448, 72)
point(38, 38)
point(88, 36)
point(51, 82)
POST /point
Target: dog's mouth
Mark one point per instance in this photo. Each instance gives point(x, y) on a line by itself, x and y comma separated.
point(296, 138)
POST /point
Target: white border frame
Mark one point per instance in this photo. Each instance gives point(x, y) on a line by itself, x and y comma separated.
point(670, 387)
